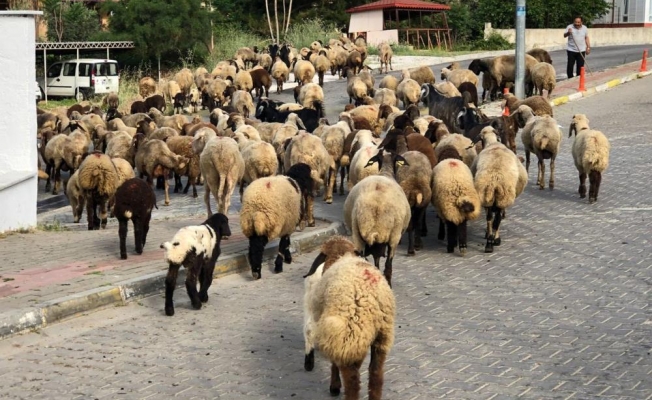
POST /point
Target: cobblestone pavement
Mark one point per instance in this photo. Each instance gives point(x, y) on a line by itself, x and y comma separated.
point(560, 310)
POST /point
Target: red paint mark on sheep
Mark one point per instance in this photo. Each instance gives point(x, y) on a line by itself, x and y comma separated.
point(453, 164)
point(370, 277)
point(268, 185)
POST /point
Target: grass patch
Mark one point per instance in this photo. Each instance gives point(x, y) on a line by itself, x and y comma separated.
point(228, 39)
point(302, 34)
point(55, 226)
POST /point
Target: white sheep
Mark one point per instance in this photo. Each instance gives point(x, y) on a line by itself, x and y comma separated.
point(543, 77)
point(310, 93)
point(304, 72)
point(388, 82)
point(499, 178)
point(197, 248)
point(386, 96)
point(459, 76)
point(272, 208)
point(408, 91)
point(348, 309)
point(259, 160)
point(376, 196)
point(243, 102)
point(455, 199)
point(590, 154)
point(281, 73)
point(282, 134)
point(222, 166)
point(385, 56)
point(541, 136)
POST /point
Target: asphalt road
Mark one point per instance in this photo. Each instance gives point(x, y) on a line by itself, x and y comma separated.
point(561, 310)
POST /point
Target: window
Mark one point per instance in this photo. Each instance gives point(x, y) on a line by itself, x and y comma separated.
point(107, 69)
point(85, 69)
point(69, 69)
point(54, 71)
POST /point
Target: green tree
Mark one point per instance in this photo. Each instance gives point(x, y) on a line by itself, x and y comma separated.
point(166, 29)
point(70, 22)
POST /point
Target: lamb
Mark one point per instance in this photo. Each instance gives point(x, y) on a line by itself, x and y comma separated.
point(322, 64)
point(173, 89)
point(455, 199)
point(590, 154)
point(541, 136)
point(540, 55)
point(222, 167)
point(543, 77)
point(98, 180)
point(309, 94)
point(146, 86)
point(386, 96)
point(134, 200)
point(261, 80)
point(182, 145)
point(185, 79)
point(243, 102)
point(347, 310)
point(304, 72)
point(502, 69)
point(281, 73)
point(154, 158)
point(272, 208)
point(355, 87)
point(388, 82)
point(308, 149)
point(75, 196)
point(194, 98)
point(260, 161)
point(408, 91)
point(459, 76)
point(499, 178)
point(385, 55)
point(372, 197)
point(197, 248)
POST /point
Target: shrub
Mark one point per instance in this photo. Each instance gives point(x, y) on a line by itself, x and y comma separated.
point(301, 34)
point(228, 39)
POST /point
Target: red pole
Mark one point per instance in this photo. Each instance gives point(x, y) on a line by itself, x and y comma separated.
point(582, 86)
point(506, 110)
point(644, 61)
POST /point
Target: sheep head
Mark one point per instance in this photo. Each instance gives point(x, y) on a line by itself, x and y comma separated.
point(579, 122)
point(387, 158)
point(523, 115)
point(487, 136)
point(331, 251)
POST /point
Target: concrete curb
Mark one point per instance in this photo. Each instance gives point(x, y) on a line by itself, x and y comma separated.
point(597, 89)
point(40, 315)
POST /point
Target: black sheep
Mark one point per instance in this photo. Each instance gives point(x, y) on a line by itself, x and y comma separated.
point(138, 106)
point(134, 200)
point(179, 101)
point(197, 248)
point(155, 101)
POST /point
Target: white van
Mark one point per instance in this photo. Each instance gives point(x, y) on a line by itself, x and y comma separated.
point(82, 78)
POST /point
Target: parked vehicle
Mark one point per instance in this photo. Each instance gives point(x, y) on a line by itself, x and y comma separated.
point(82, 78)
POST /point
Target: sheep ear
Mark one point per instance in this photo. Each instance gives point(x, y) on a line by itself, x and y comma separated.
point(400, 161)
point(321, 258)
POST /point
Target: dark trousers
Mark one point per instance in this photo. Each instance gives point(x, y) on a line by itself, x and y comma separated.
point(574, 58)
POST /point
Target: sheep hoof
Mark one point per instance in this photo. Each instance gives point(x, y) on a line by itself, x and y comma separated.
point(334, 391)
point(488, 248)
point(311, 224)
point(167, 203)
point(203, 297)
point(123, 256)
point(411, 252)
point(169, 311)
point(450, 249)
point(496, 242)
point(592, 200)
point(196, 304)
point(278, 265)
point(55, 192)
point(309, 361)
point(329, 201)
point(256, 275)
point(551, 185)
point(462, 250)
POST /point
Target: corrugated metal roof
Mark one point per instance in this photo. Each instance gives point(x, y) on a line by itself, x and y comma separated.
point(400, 4)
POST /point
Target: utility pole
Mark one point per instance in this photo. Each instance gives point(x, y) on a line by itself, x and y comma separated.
point(519, 85)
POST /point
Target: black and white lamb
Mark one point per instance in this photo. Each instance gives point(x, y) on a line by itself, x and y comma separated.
point(197, 248)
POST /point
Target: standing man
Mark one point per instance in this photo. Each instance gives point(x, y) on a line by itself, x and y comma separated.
point(578, 46)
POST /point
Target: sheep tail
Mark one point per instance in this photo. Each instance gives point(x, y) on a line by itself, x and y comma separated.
point(465, 205)
point(345, 160)
point(260, 223)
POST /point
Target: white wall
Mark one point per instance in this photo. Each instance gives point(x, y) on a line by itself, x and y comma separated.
point(639, 12)
point(366, 21)
point(375, 38)
point(18, 157)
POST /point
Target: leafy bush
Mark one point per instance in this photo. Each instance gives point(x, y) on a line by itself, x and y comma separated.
point(495, 41)
point(228, 39)
point(301, 34)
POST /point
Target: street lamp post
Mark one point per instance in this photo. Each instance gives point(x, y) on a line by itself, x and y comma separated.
point(519, 84)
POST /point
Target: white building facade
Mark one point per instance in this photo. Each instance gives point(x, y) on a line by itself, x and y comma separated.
point(627, 13)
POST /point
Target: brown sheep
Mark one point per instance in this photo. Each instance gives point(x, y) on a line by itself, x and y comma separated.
point(182, 145)
point(262, 81)
point(154, 158)
point(539, 105)
point(146, 86)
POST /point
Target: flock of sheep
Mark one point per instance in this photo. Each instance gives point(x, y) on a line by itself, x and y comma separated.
point(394, 163)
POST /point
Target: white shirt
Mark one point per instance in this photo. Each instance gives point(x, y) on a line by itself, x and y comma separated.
point(579, 35)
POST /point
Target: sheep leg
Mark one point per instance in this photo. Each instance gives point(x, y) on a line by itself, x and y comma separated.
point(388, 264)
point(494, 238)
point(424, 227)
point(390, 66)
point(541, 174)
point(419, 222)
point(256, 249)
point(582, 189)
point(461, 235)
point(207, 201)
point(328, 192)
point(342, 176)
point(177, 183)
point(48, 171)
point(527, 160)
point(57, 178)
point(441, 234)
point(551, 182)
point(376, 374)
point(166, 186)
point(283, 253)
point(452, 237)
point(103, 214)
point(309, 359)
point(191, 281)
point(310, 206)
point(146, 220)
point(351, 378)
point(490, 218)
point(90, 212)
point(122, 233)
point(138, 234)
point(170, 284)
point(594, 180)
point(336, 383)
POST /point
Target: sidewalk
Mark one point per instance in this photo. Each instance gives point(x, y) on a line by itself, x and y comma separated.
point(62, 269)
